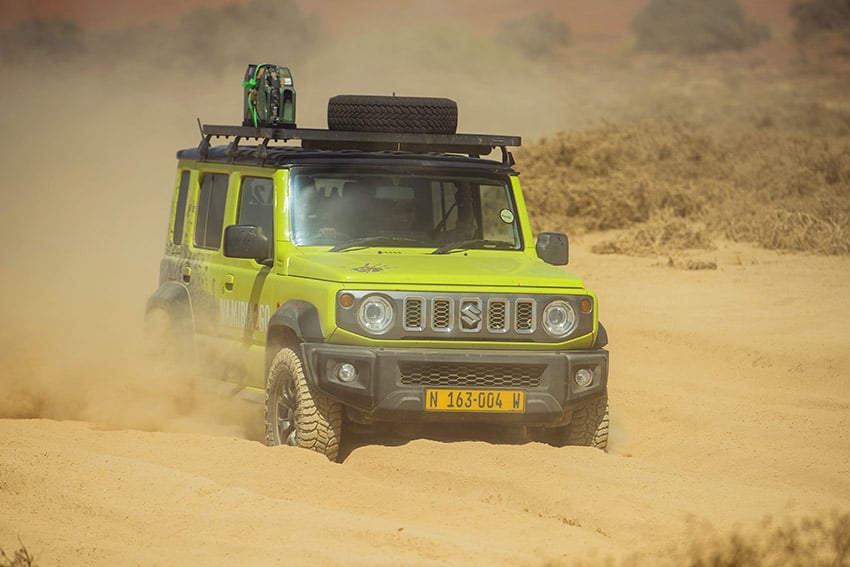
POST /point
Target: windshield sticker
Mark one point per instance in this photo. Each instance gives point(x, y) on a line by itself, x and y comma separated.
point(507, 216)
point(368, 268)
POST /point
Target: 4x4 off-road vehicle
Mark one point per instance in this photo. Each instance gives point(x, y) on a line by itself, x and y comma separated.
point(378, 271)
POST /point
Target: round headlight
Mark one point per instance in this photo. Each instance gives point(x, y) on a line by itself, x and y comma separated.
point(559, 318)
point(375, 314)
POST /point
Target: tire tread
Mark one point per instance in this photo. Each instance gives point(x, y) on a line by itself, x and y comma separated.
point(391, 114)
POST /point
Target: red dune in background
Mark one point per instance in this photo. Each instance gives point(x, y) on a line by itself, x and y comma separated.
point(588, 20)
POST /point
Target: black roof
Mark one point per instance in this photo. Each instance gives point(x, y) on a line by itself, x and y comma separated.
point(356, 147)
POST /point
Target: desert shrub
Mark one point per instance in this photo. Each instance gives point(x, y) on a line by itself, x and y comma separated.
point(818, 541)
point(20, 558)
point(619, 175)
point(669, 185)
point(820, 16)
point(52, 39)
point(536, 35)
point(797, 231)
point(695, 26)
point(663, 234)
point(206, 39)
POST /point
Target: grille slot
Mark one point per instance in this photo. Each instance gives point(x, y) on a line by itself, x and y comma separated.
point(497, 316)
point(442, 314)
point(413, 314)
point(465, 375)
point(525, 322)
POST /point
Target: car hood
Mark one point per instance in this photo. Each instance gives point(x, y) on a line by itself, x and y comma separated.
point(463, 268)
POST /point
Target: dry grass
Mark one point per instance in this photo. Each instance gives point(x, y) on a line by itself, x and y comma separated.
point(813, 541)
point(822, 541)
point(778, 177)
point(662, 234)
point(20, 558)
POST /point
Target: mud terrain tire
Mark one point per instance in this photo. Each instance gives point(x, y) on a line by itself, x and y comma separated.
point(588, 427)
point(394, 114)
point(296, 414)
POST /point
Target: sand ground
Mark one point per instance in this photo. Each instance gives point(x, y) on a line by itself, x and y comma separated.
point(730, 405)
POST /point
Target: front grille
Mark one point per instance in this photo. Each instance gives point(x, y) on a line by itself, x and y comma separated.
point(467, 375)
point(470, 315)
point(464, 316)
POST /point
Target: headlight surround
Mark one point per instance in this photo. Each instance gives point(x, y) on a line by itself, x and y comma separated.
point(560, 318)
point(375, 314)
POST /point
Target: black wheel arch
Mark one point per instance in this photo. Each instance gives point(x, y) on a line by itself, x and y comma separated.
point(294, 322)
point(601, 337)
point(174, 299)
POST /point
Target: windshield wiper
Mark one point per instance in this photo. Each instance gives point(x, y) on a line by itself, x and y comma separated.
point(373, 241)
point(467, 244)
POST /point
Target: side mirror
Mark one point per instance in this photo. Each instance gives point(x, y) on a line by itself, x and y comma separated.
point(246, 241)
point(553, 248)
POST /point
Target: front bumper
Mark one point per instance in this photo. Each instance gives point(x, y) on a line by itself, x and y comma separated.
point(391, 383)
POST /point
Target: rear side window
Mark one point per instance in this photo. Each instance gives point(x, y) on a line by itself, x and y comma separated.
point(211, 202)
point(180, 209)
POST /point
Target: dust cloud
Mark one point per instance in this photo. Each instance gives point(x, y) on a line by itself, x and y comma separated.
point(93, 120)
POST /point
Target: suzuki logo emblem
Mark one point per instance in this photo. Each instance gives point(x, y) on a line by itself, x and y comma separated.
point(470, 315)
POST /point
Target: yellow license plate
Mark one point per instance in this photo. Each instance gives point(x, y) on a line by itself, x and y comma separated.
point(475, 400)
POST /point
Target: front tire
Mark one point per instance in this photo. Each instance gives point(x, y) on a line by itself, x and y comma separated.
point(296, 414)
point(588, 427)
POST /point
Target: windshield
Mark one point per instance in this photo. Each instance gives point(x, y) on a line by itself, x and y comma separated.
point(417, 210)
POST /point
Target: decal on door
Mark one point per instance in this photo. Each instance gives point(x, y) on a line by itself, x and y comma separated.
point(241, 314)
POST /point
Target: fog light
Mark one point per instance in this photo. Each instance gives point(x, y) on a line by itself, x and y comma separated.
point(346, 372)
point(584, 377)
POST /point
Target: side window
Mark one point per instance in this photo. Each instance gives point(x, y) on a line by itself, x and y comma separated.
point(211, 202)
point(256, 204)
point(497, 217)
point(180, 209)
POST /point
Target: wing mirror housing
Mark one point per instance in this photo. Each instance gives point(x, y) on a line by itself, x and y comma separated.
point(553, 248)
point(246, 241)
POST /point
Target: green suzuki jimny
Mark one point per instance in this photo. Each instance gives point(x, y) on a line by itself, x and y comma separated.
point(381, 270)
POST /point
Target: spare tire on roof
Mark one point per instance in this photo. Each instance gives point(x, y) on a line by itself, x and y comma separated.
point(394, 114)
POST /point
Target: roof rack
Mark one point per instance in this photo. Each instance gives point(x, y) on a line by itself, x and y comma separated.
point(474, 145)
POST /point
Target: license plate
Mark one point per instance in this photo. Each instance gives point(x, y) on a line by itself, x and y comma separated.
point(475, 400)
